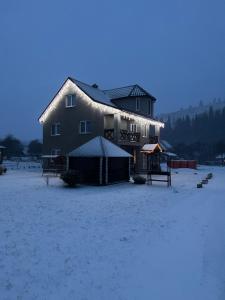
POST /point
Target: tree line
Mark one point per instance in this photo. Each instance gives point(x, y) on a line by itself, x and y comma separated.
point(14, 147)
point(201, 137)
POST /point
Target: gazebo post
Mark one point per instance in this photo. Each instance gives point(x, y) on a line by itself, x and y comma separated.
point(100, 170)
point(67, 163)
point(129, 168)
point(106, 170)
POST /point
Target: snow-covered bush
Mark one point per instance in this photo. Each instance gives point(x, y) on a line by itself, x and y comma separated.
point(70, 177)
point(2, 169)
point(139, 179)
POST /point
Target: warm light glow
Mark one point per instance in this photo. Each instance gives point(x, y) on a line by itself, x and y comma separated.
point(70, 87)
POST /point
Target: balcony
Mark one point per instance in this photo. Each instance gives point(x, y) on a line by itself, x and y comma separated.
point(128, 136)
point(109, 134)
point(125, 136)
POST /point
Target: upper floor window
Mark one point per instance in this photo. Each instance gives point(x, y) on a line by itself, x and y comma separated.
point(85, 127)
point(133, 127)
point(55, 129)
point(70, 100)
point(149, 107)
point(145, 130)
point(137, 104)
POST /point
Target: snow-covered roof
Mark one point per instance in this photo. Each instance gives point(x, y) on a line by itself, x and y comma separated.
point(93, 92)
point(171, 154)
point(165, 145)
point(2, 147)
point(99, 147)
point(151, 148)
point(127, 91)
point(97, 95)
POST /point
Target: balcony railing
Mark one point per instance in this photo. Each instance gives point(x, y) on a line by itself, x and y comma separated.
point(124, 135)
point(128, 136)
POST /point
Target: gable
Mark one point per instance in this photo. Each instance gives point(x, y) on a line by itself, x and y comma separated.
point(128, 91)
point(89, 95)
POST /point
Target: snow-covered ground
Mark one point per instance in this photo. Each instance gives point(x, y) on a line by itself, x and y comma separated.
point(120, 242)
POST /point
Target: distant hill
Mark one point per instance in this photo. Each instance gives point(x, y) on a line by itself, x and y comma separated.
point(192, 111)
point(198, 136)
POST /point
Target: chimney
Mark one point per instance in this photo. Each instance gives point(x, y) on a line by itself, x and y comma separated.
point(95, 85)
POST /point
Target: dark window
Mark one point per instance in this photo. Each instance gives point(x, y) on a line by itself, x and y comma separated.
point(85, 127)
point(137, 104)
point(55, 130)
point(70, 100)
point(149, 107)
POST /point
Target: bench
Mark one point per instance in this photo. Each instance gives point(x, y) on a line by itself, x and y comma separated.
point(166, 174)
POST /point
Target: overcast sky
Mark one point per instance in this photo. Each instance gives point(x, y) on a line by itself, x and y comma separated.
point(175, 49)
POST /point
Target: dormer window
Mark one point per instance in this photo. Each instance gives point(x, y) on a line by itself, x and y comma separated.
point(70, 101)
point(149, 107)
point(137, 104)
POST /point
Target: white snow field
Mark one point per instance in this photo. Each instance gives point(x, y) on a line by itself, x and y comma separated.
point(118, 242)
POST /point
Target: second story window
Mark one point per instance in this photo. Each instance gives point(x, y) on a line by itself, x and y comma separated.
point(133, 128)
point(145, 130)
point(55, 129)
point(85, 127)
point(70, 100)
point(137, 104)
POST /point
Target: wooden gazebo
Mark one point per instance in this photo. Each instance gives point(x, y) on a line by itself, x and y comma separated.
point(100, 162)
point(153, 153)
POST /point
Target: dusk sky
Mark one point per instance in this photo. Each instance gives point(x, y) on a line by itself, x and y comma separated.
point(175, 49)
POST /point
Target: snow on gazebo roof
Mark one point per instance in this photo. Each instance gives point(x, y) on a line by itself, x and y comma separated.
point(99, 147)
point(150, 148)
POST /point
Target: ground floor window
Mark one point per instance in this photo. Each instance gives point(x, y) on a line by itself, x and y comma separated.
point(85, 127)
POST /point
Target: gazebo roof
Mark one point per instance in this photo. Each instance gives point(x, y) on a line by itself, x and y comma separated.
point(151, 148)
point(99, 147)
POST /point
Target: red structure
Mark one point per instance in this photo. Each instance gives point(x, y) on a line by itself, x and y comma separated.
point(176, 164)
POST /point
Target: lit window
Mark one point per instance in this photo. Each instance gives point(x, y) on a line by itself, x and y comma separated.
point(145, 130)
point(137, 104)
point(70, 100)
point(85, 127)
point(55, 130)
point(133, 127)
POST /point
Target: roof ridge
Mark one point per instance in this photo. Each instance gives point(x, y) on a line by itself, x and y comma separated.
point(102, 146)
point(122, 87)
point(74, 79)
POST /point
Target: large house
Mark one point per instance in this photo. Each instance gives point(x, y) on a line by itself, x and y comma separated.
point(79, 111)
